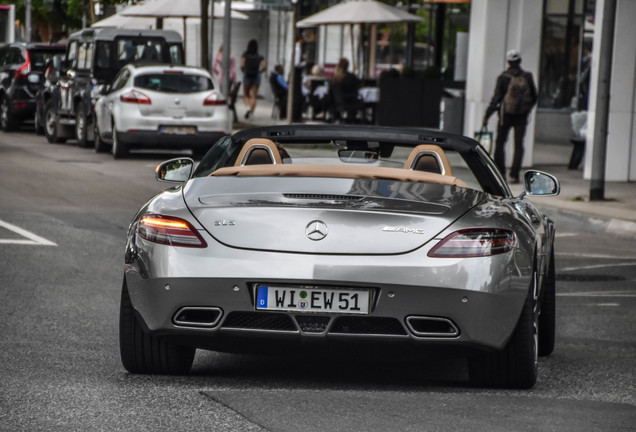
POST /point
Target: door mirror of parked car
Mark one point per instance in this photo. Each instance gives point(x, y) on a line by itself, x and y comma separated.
point(539, 183)
point(175, 170)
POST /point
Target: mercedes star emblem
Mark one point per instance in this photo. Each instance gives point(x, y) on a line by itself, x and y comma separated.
point(316, 230)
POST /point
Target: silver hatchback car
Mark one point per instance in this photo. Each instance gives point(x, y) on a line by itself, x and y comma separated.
point(161, 106)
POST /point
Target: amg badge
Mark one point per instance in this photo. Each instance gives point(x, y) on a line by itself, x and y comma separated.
point(403, 230)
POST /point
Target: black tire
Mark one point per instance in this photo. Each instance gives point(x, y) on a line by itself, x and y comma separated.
point(517, 364)
point(547, 317)
point(143, 353)
point(8, 122)
point(81, 126)
point(50, 125)
point(120, 150)
point(99, 145)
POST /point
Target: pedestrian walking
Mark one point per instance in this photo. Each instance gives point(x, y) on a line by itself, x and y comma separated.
point(515, 96)
point(217, 68)
point(252, 65)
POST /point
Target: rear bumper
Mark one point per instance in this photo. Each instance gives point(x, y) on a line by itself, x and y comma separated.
point(483, 314)
point(155, 139)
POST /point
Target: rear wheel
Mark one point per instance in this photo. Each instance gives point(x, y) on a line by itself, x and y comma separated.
point(8, 122)
point(517, 364)
point(146, 354)
point(120, 150)
point(50, 125)
point(99, 145)
point(81, 126)
point(547, 318)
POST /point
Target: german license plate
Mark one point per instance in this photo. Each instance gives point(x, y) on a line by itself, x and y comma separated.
point(178, 130)
point(296, 299)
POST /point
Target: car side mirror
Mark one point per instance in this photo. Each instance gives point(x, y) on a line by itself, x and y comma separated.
point(176, 170)
point(539, 183)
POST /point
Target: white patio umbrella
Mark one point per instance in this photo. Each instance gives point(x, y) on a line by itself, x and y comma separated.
point(359, 12)
point(160, 9)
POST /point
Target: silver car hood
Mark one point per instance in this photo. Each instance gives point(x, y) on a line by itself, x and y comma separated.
point(326, 216)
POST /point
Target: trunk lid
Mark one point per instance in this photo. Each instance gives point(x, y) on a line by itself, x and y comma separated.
point(325, 216)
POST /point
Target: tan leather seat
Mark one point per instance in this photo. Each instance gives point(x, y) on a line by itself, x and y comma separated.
point(429, 158)
point(259, 151)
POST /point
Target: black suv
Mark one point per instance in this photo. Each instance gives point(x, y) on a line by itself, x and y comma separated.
point(93, 58)
point(22, 68)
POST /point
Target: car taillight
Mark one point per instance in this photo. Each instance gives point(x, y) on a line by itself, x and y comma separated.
point(25, 69)
point(136, 97)
point(169, 231)
point(214, 99)
point(476, 242)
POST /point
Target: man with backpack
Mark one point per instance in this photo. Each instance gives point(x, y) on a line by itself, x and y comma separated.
point(515, 96)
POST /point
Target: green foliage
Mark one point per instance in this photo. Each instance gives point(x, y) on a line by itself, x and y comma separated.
point(58, 12)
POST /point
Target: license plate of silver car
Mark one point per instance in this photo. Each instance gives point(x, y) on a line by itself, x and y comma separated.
point(178, 130)
point(312, 299)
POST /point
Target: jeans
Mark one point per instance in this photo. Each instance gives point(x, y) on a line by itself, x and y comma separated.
point(519, 123)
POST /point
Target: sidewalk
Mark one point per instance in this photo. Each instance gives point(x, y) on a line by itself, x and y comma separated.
point(616, 215)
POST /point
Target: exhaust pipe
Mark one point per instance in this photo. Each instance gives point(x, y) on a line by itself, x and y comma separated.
point(433, 327)
point(197, 316)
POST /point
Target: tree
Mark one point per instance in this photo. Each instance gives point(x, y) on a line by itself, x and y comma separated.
point(49, 17)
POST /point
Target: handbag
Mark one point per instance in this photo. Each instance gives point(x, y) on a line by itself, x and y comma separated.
point(485, 138)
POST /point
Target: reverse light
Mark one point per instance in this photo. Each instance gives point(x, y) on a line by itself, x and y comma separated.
point(135, 97)
point(25, 69)
point(475, 242)
point(169, 230)
point(214, 99)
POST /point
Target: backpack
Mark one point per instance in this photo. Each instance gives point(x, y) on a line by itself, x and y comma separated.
point(252, 65)
point(518, 97)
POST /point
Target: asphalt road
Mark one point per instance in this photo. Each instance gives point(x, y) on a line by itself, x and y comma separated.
point(63, 216)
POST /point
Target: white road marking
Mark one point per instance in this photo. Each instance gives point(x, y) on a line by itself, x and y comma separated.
point(34, 239)
point(566, 234)
point(583, 255)
point(612, 294)
point(597, 266)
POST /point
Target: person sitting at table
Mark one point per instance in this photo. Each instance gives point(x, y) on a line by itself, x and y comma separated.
point(312, 80)
point(344, 89)
point(280, 89)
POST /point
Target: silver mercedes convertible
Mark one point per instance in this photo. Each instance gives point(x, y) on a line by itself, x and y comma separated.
point(337, 238)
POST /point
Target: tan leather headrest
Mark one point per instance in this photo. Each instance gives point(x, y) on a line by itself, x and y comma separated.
point(260, 144)
point(428, 151)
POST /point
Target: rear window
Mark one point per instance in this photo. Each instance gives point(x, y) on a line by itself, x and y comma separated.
point(40, 57)
point(174, 82)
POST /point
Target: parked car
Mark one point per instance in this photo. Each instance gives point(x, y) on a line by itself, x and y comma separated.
point(53, 72)
point(161, 107)
point(334, 238)
point(22, 67)
point(93, 58)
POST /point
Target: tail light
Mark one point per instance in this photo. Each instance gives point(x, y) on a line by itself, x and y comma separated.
point(135, 97)
point(476, 242)
point(214, 99)
point(170, 231)
point(25, 69)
